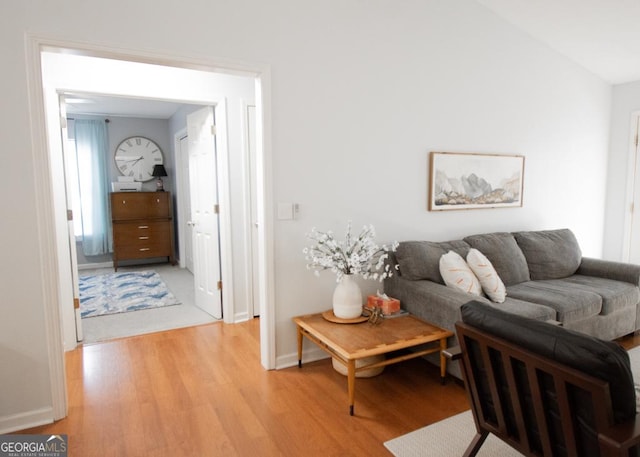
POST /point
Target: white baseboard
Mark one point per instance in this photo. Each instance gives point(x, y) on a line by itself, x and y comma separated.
point(29, 419)
point(241, 317)
point(308, 355)
point(92, 266)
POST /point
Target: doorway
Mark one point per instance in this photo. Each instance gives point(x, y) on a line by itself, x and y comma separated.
point(154, 119)
point(46, 146)
point(632, 252)
point(228, 93)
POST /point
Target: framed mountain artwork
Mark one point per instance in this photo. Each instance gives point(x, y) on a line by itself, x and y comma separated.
point(474, 181)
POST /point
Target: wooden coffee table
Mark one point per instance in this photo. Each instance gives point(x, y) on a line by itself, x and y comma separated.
point(350, 342)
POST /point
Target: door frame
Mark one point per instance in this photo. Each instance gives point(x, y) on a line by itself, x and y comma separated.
point(252, 209)
point(181, 185)
point(73, 213)
point(50, 254)
point(633, 180)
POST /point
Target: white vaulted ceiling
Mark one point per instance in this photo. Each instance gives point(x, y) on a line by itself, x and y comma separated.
point(601, 35)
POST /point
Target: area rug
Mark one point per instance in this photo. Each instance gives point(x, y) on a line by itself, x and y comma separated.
point(447, 438)
point(450, 437)
point(123, 292)
point(634, 358)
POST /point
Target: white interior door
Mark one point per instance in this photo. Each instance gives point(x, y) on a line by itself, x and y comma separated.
point(634, 244)
point(204, 210)
point(66, 152)
point(186, 251)
point(74, 274)
point(253, 199)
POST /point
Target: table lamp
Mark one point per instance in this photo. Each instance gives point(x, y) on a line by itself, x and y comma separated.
point(159, 172)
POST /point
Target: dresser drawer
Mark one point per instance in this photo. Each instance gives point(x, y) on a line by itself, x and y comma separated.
point(140, 205)
point(142, 226)
point(137, 240)
point(143, 251)
point(136, 233)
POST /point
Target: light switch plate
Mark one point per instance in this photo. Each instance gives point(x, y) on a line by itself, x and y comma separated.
point(285, 211)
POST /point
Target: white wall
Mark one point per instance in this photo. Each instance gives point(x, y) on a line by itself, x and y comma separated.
point(361, 91)
point(625, 101)
point(120, 128)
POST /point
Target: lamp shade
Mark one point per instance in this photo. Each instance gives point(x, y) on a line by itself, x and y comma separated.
point(158, 170)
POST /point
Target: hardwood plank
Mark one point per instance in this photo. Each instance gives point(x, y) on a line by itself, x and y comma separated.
point(183, 392)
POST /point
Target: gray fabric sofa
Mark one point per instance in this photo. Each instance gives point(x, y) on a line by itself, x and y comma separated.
point(545, 275)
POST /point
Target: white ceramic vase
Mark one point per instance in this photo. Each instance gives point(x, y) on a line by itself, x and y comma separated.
point(347, 299)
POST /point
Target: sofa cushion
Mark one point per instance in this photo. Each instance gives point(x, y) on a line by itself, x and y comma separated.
point(456, 273)
point(421, 259)
point(616, 295)
point(527, 309)
point(550, 254)
point(504, 254)
point(491, 283)
point(602, 359)
point(571, 303)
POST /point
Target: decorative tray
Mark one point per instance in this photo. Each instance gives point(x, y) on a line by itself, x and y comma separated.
point(328, 315)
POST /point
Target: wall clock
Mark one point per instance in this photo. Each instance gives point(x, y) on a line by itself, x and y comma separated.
point(136, 156)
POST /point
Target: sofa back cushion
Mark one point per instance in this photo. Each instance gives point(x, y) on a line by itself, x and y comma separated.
point(550, 254)
point(504, 254)
point(421, 259)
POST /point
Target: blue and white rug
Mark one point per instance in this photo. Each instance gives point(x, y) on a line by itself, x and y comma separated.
point(123, 292)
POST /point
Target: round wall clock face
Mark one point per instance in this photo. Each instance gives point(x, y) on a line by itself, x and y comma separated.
point(136, 157)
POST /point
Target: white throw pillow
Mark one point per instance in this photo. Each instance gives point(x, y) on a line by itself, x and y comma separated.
point(456, 273)
point(491, 283)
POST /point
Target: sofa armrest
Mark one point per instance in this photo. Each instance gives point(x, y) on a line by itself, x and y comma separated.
point(619, 271)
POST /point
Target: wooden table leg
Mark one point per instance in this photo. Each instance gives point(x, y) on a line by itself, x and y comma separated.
point(299, 347)
point(443, 360)
point(351, 383)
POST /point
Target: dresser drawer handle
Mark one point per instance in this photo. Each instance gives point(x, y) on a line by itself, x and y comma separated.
point(143, 226)
point(143, 237)
point(145, 249)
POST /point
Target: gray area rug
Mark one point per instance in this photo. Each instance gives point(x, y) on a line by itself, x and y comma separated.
point(109, 327)
point(450, 437)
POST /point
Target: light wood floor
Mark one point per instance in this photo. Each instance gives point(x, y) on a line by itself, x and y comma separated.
point(185, 393)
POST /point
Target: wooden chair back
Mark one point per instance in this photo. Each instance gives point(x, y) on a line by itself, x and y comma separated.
point(537, 405)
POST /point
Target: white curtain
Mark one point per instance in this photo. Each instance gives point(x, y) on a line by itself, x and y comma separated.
point(92, 151)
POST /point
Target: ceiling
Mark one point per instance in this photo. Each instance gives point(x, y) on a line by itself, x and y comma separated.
point(601, 35)
point(120, 106)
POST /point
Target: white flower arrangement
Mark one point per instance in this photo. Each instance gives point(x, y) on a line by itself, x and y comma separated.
point(354, 256)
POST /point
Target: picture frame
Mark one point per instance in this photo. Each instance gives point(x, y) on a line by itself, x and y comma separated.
point(461, 180)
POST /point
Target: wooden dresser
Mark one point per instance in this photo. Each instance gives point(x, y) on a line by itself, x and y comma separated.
point(142, 226)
